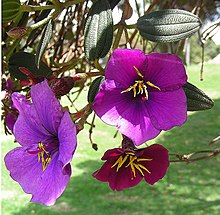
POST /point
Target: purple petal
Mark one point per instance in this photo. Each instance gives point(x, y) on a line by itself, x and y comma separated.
point(10, 119)
point(45, 186)
point(159, 164)
point(167, 109)
point(128, 114)
point(164, 70)
point(47, 106)
point(28, 129)
point(121, 66)
point(67, 139)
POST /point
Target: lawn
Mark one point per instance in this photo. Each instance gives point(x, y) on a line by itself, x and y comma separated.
point(186, 189)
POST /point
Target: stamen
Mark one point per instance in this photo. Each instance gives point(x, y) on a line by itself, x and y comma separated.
point(139, 86)
point(138, 72)
point(144, 159)
point(129, 153)
point(152, 85)
point(133, 163)
point(120, 162)
point(139, 169)
point(41, 156)
point(132, 159)
point(143, 167)
point(133, 169)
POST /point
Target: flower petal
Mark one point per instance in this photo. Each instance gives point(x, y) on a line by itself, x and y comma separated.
point(165, 71)
point(67, 139)
point(123, 179)
point(120, 67)
point(47, 106)
point(45, 186)
point(27, 129)
point(117, 180)
point(128, 114)
point(10, 119)
point(159, 164)
point(112, 154)
point(167, 109)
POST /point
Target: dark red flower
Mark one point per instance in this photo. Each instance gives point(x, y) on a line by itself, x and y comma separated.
point(126, 168)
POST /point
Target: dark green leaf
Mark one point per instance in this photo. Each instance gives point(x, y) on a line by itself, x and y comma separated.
point(98, 30)
point(44, 41)
point(196, 98)
point(94, 88)
point(27, 60)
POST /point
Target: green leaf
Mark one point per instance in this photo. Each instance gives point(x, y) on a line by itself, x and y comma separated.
point(44, 41)
point(196, 98)
point(98, 30)
point(10, 10)
point(168, 25)
point(27, 60)
point(94, 88)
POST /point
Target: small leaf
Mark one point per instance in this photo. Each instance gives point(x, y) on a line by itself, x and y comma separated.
point(94, 88)
point(27, 60)
point(44, 41)
point(196, 98)
point(98, 30)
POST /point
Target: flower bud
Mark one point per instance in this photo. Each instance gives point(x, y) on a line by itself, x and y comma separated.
point(17, 32)
point(127, 11)
point(62, 86)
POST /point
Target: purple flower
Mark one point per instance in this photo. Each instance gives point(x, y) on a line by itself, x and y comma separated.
point(10, 117)
point(47, 137)
point(142, 94)
point(126, 168)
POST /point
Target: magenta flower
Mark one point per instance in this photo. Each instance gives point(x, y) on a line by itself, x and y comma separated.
point(47, 137)
point(142, 94)
point(126, 168)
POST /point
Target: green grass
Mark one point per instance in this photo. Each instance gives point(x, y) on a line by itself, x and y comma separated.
point(186, 189)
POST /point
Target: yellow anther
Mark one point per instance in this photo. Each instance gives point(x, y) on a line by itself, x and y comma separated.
point(129, 153)
point(117, 162)
point(133, 169)
point(132, 159)
point(38, 156)
point(143, 167)
point(120, 162)
point(138, 72)
point(41, 156)
point(139, 169)
point(139, 88)
point(144, 159)
point(152, 85)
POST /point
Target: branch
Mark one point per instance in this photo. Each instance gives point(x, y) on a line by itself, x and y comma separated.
point(189, 157)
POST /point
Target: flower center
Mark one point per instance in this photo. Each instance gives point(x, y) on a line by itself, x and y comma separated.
point(42, 154)
point(133, 163)
point(139, 87)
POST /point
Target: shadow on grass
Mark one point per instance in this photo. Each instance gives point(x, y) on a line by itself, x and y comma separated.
point(187, 188)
